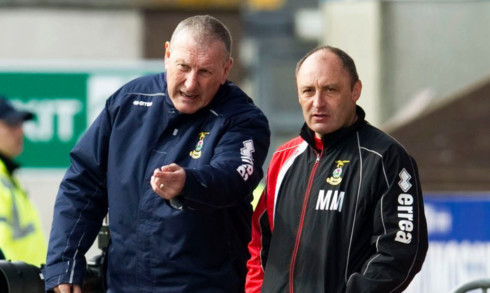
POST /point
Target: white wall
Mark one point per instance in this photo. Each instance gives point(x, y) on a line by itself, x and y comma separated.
point(433, 48)
point(70, 34)
point(355, 28)
point(409, 51)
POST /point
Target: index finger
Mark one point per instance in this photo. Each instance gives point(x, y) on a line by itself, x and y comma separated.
point(171, 168)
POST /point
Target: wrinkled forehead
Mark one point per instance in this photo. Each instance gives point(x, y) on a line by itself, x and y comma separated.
point(199, 40)
point(321, 65)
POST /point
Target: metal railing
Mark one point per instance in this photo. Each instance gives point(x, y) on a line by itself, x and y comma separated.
point(483, 284)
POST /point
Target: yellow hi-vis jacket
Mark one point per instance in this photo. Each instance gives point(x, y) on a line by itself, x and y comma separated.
point(21, 235)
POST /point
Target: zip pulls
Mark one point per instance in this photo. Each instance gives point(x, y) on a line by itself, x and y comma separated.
point(301, 221)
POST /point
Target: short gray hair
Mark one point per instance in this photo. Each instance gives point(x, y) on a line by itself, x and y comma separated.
point(205, 28)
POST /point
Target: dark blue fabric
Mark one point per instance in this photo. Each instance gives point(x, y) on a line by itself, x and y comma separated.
point(155, 247)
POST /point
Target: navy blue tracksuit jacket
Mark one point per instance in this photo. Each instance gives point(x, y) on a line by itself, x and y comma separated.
point(154, 246)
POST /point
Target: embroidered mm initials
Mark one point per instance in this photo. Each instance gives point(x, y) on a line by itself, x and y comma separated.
point(326, 202)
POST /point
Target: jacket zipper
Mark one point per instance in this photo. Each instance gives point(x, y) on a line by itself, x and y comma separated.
point(300, 227)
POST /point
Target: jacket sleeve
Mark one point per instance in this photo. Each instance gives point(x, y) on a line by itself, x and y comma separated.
point(80, 206)
point(258, 246)
point(21, 236)
point(399, 229)
point(5, 221)
point(235, 168)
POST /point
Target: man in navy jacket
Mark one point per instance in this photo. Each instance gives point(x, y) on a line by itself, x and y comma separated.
point(174, 158)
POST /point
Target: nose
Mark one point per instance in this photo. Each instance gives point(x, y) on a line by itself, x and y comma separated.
point(191, 81)
point(318, 100)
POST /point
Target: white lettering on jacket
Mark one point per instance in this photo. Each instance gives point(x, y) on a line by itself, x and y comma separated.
point(405, 218)
point(247, 168)
point(326, 202)
point(142, 103)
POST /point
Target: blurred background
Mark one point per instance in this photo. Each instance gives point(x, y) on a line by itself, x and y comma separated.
point(425, 68)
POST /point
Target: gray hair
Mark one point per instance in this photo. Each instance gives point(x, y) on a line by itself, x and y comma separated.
point(347, 62)
point(205, 28)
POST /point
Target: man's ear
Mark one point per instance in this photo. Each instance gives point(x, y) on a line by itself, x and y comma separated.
point(167, 53)
point(167, 50)
point(228, 65)
point(356, 91)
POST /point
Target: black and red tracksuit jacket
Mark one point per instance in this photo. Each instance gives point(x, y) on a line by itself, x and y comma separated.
point(347, 218)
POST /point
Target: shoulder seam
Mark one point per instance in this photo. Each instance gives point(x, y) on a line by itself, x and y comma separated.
point(149, 95)
point(290, 147)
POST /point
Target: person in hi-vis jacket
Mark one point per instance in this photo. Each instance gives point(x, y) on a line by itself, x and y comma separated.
point(21, 234)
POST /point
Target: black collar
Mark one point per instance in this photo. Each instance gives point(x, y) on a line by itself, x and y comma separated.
point(9, 164)
point(332, 138)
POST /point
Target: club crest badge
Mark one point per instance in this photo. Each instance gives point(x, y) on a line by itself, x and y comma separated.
point(196, 153)
point(336, 177)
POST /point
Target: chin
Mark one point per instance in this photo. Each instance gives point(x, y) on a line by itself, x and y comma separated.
point(186, 109)
point(323, 130)
point(320, 128)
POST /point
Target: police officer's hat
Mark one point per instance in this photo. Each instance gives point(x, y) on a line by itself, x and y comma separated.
point(11, 115)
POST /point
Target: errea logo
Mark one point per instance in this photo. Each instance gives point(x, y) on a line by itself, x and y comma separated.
point(404, 182)
point(405, 209)
point(142, 103)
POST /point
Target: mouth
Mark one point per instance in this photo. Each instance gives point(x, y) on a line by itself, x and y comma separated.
point(319, 117)
point(187, 96)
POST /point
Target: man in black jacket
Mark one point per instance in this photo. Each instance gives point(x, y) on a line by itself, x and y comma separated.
point(342, 210)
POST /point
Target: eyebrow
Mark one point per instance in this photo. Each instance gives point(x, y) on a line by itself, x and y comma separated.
point(206, 67)
point(331, 85)
point(180, 60)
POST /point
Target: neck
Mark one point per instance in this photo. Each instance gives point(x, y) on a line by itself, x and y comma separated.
point(354, 119)
point(9, 163)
